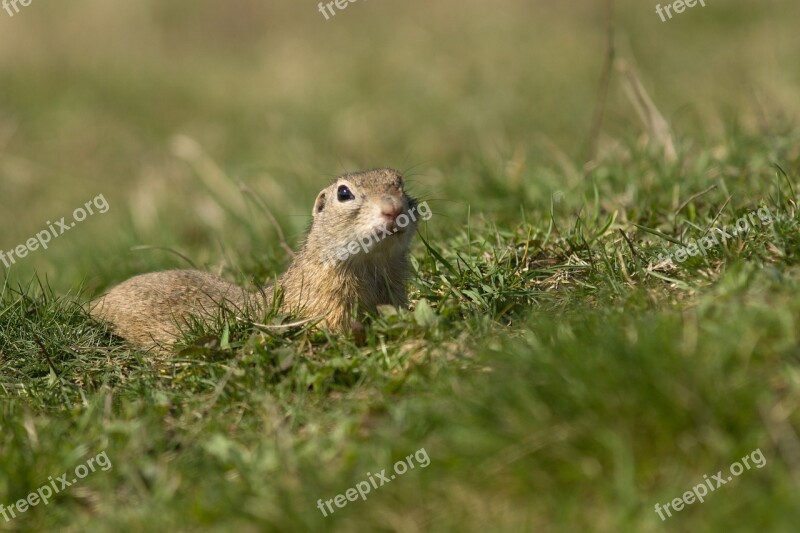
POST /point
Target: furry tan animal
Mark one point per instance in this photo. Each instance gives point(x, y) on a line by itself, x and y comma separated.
point(355, 257)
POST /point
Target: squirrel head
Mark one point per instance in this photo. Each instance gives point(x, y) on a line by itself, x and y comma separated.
point(364, 217)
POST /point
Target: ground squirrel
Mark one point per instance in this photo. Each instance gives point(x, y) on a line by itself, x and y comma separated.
point(355, 257)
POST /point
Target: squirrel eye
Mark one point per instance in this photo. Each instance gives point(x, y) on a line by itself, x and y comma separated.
point(344, 194)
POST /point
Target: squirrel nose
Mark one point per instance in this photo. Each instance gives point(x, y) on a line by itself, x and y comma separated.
point(391, 210)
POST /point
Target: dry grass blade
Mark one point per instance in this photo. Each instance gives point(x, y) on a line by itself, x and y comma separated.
point(658, 130)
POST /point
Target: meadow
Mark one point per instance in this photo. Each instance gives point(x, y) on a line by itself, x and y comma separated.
point(558, 371)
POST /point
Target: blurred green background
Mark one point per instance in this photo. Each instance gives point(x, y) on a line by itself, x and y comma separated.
point(133, 100)
point(557, 377)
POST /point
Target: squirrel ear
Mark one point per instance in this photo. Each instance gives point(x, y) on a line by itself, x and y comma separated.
point(319, 204)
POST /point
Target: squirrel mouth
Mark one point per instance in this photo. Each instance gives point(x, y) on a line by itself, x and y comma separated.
point(393, 228)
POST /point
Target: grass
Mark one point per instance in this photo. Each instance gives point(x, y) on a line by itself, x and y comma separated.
point(558, 375)
point(551, 359)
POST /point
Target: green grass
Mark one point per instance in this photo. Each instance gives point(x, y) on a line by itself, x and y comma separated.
point(559, 376)
point(554, 377)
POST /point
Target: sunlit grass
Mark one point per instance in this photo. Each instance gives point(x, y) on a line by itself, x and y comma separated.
point(558, 374)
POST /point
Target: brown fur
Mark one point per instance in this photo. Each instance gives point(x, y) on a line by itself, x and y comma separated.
point(149, 310)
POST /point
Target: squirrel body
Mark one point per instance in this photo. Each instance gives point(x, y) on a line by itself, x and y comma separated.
point(354, 258)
